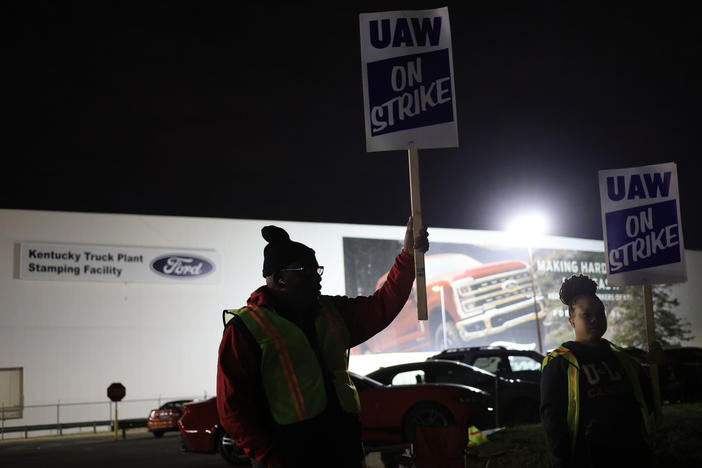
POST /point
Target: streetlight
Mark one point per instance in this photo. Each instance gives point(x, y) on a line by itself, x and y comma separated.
point(440, 289)
point(528, 227)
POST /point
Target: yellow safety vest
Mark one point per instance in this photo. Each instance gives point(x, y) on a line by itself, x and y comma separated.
point(291, 372)
point(630, 367)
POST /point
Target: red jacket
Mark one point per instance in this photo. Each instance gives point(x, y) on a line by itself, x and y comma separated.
point(238, 374)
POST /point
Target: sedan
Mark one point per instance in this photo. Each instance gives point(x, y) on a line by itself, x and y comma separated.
point(389, 415)
point(165, 418)
point(518, 400)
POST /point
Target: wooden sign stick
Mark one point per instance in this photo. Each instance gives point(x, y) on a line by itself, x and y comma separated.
point(653, 364)
point(416, 202)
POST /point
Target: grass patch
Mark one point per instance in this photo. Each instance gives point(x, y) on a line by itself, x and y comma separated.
point(676, 442)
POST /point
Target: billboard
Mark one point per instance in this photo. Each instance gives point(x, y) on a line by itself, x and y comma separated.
point(489, 298)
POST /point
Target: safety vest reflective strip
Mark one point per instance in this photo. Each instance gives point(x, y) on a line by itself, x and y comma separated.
point(285, 361)
point(573, 412)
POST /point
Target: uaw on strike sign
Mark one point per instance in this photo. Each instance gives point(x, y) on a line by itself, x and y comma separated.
point(408, 87)
point(642, 225)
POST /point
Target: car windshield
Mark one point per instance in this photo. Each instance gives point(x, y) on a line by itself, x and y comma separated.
point(468, 367)
point(440, 264)
point(523, 363)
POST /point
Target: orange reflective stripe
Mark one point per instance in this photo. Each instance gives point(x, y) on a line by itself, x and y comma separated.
point(285, 362)
point(553, 354)
point(284, 349)
point(254, 314)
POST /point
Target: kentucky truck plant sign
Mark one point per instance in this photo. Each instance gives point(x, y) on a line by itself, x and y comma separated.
point(116, 263)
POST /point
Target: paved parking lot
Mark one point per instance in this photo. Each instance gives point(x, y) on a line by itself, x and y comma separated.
point(139, 449)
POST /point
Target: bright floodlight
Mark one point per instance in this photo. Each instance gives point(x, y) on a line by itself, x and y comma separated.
point(532, 223)
point(527, 227)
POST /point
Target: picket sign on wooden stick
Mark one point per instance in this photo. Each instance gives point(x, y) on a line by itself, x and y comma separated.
point(417, 224)
point(409, 96)
point(655, 212)
point(652, 350)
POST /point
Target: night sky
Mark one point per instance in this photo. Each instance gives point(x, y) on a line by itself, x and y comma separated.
point(213, 109)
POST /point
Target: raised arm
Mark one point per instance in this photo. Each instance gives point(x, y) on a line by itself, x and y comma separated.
point(367, 315)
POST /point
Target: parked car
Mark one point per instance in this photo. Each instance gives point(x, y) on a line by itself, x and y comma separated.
point(200, 431)
point(165, 418)
point(679, 373)
point(518, 399)
point(480, 300)
point(389, 415)
point(509, 363)
point(682, 374)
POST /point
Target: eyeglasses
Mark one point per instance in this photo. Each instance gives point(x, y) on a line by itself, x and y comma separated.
point(306, 269)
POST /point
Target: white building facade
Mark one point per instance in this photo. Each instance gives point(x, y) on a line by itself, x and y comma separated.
point(71, 336)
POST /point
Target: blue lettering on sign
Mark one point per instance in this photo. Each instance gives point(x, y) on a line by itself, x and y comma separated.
point(409, 92)
point(401, 35)
point(652, 186)
point(181, 266)
point(643, 237)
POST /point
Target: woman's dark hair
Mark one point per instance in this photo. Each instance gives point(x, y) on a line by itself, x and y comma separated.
point(577, 285)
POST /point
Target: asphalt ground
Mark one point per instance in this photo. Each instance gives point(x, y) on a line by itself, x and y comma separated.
point(139, 449)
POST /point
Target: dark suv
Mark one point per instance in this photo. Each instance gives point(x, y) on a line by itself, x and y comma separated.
point(508, 363)
point(679, 373)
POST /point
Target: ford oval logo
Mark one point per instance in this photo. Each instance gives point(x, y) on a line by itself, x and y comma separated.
point(182, 266)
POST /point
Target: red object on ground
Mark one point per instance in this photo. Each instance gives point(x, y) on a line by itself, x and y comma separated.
point(441, 446)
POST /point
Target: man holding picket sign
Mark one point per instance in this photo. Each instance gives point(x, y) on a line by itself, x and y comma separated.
point(284, 393)
point(409, 102)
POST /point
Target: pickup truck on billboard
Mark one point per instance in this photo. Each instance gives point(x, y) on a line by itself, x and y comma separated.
point(481, 301)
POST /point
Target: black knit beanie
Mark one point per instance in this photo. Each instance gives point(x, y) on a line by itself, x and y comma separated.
point(280, 251)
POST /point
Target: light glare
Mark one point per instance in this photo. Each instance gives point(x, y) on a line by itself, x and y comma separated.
point(530, 225)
